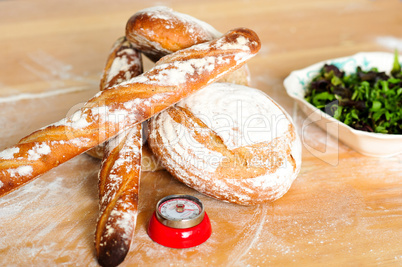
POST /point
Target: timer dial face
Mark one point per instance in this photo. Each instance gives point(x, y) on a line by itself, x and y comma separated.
point(180, 211)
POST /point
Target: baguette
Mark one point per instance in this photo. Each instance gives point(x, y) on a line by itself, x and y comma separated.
point(119, 180)
point(120, 171)
point(120, 107)
point(123, 63)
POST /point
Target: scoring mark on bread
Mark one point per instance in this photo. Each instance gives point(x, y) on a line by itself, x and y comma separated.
point(244, 162)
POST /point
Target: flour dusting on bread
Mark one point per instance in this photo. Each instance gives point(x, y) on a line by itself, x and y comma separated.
point(230, 142)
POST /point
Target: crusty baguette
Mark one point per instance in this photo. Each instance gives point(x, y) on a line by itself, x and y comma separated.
point(123, 63)
point(120, 171)
point(159, 31)
point(118, 194)
point(119, 108)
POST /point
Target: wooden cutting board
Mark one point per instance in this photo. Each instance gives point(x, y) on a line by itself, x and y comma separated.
point(343, 209)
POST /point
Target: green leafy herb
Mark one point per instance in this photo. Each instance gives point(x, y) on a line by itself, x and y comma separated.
point(396, 68)
point(365, 100)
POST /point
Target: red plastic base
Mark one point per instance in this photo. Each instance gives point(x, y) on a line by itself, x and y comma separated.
point(179, 238)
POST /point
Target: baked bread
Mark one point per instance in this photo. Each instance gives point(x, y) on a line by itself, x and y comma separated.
point(148, 161)
point(119, 180)
point(120, 107)
point(123, 63)
point(156, 32)
point(159, 31)
point(119, 176)
point(230, 142)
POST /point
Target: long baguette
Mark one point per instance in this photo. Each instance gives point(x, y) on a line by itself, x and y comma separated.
point(123, 63)
point(118, 195)
point(119, 108)
point(120, 171)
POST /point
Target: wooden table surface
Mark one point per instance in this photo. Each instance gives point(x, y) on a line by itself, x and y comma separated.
point(343, 209)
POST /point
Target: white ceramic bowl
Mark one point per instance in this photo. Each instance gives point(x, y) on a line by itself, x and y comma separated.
point(371, 144)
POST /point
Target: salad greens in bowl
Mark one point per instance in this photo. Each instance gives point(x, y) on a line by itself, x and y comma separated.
point(357, 99)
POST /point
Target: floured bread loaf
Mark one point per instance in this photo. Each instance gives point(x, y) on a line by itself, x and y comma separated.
point(230, 142)
point(159, 31)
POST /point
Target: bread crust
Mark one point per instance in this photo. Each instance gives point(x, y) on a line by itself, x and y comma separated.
point(159, 31)
point(120, 107)
point(222, 160)
point(119, 181)
point(119, 176)
point(149, 163)
point(123, 63)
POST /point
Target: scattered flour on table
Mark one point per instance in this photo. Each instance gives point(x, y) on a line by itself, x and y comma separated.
point(59, 203)
point(233, 235)
point(52, 69)
point(19, 97)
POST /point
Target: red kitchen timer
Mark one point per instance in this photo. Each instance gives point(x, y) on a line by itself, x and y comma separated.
point(179, 221)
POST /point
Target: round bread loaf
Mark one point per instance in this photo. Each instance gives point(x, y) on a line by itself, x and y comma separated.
point(230, 142)
point(159, 31)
